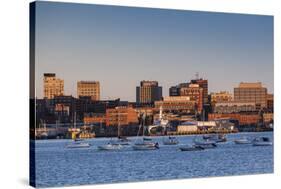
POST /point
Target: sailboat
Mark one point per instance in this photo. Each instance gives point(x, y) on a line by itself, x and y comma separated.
point(115, 145)
point(76, 142)
point(144, 144)
point(121, 139)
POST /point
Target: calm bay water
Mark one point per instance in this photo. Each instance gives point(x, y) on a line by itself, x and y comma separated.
point(60, 166)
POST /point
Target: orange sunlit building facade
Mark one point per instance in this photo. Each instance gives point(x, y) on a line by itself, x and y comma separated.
point(121, 116)
point(244, 119)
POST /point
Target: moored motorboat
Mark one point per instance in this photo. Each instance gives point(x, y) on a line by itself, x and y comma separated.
point(147, 139)
point(204, 142)
point(146, 146)
point(191, 148)
point(121, 141)
point(78, 139)
point(78, 145)
point(215, 137)
point(262, 141)
point(170, 141)
point(110, 147)
point(243, 140)
point(206, 145)
point(221, 138)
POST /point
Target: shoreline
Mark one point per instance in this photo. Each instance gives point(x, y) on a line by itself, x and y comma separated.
point(170, 134)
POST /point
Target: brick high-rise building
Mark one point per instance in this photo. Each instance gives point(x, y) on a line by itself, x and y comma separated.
point(195, 92)
point(148, 92)
point(203, 83)
point(89, 88)
point(52, 86)
point(251, 92)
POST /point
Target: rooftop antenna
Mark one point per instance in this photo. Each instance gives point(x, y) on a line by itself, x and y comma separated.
point(197, 75)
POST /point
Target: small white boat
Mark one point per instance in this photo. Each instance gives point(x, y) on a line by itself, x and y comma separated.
point(170, 141)
point(243, 140)
point(78, 139)
point(122, 141)
point(78, 145)
point(191, 148)
point(146, 146)
point(110, 147)
point(262, 141)
point(204, 142)
point(221, 138)
point(206, 145)
point(215, 137)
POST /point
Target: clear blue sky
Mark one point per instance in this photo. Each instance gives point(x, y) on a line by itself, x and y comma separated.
point(120, 46)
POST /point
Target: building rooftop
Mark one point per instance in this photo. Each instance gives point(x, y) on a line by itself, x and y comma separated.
point(250, 85)
point(177, 98)
point(88, 82)
point(149, 83)
point(49, 75)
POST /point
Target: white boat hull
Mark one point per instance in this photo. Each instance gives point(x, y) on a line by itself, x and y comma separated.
point(262, 141)
point(205, 143)
point(206, 146)
point(242, 142)
point(80, 145)
point(193, 148)
point(110, 147)
point(145, 146)
point(262, 144)
point(170, 143)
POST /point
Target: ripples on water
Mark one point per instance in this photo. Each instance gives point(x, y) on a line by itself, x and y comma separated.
point(60, 166)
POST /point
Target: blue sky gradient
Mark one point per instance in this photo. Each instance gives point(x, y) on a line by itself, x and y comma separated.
point(120, 46)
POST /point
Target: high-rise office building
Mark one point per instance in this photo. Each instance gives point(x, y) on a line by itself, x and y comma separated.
point(203, 83)
point(52, 86)
point(195, 93)
point(251, 92)
point(148, 92)
point(89, 88)
point(175, 90)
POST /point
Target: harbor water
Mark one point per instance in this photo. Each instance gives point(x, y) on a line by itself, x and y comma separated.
point(57, 165)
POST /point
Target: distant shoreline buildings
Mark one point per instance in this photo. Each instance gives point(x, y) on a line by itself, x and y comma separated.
point(248, 107)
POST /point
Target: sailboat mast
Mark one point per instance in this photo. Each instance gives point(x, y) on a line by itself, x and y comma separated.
point(118, 117)
point(143, 123)
point(74, 120)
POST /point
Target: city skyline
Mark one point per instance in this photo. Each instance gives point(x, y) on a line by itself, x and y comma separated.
point(125, 46)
